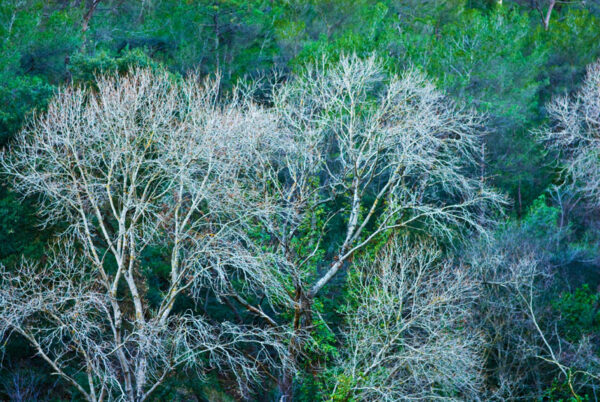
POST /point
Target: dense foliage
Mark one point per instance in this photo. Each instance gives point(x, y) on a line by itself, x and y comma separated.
point(434, 193)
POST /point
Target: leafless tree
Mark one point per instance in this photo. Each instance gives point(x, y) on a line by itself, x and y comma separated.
point(524, 347)
point(143, 161)
point(393, 150)
point(235, 193)
point(22, 386)
point(407, 338)
point(575, 134)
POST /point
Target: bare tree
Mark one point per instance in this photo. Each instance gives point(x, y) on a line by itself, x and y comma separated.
point(143, 161)
point(393, 151)
point(524, 347)
point(241, 197)
point(575, 134)
point(22, 385)
point(407, 337)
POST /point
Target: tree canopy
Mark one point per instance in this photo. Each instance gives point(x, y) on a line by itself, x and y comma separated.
point(299, 200)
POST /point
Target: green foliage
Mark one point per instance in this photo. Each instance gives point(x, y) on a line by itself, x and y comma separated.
point(492, 61)
point(33, 47)
point(374, 30)
point(560, 391)
point(572, 41)
point(20, 96)
point(579, 313)
point(84, 68)
point(541, 219)
point(488, 60)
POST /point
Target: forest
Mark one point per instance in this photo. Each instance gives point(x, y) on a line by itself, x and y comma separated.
point(299, 200)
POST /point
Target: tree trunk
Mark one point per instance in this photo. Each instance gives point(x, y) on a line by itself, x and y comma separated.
point(302, 322)
point(85, 24)
point(519, 199)
point(546, 19)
